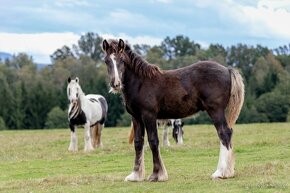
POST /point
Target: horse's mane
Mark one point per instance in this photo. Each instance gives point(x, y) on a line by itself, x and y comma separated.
point(137, 63)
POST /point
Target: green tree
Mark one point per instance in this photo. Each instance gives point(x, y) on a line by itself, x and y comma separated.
point(244, 57)
point(178, 46)
point(56, 118)
point(90, 45)
point(62, 53)
point(274, 105)
point(20, 60)
point(2, 124)
point(125, 120)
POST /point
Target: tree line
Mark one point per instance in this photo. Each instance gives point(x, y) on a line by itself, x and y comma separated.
point(32, 98)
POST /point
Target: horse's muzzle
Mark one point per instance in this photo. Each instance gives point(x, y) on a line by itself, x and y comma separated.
point(74, 101)
point(116, 85)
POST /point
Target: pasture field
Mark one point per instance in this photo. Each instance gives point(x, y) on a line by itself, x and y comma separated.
point(38, 161)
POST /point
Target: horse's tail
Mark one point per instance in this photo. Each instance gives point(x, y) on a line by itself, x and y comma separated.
point(236, 98)
point(131, 134)
point(95, 134)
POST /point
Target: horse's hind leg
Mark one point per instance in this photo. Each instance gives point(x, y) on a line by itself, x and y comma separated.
point(93, 134)
point(225, 167)
point(99, 135)
point(138, 173)
point(159, 170)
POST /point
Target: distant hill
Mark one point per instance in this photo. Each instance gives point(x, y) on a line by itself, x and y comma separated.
point(4, 56)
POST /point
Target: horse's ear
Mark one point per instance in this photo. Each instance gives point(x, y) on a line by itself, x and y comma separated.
point(68, 80)
point(77, 80)
point(105, 45)
point(121, 46)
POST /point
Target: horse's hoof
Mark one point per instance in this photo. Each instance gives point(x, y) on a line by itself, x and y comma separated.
point(218, 175)
point(157, 178)
point(72, 149)
point(99, 145)
point(153, 178)
point(166, 144)
point(133, 177)
point(89, 149)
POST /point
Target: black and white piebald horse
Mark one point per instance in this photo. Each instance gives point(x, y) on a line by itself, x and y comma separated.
point(89, 111)
point(177, 130)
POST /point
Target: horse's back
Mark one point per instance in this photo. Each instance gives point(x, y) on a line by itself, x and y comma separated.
point(194, 87)
point(98, 107)
point(95, 96)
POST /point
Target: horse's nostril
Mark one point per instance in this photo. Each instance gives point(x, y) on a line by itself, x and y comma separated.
point(117, 84)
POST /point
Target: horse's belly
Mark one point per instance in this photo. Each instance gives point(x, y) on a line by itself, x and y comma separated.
point(94, 114)
point(175, 112)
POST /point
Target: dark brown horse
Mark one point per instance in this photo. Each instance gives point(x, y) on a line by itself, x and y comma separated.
point(151, 94)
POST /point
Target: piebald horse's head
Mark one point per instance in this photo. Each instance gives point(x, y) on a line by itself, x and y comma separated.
point(73, 90)
point(115, 61)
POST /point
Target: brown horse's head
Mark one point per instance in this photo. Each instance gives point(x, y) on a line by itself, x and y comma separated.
point(114, 60)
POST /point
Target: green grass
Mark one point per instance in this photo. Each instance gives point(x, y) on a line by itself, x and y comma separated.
point(38, 161)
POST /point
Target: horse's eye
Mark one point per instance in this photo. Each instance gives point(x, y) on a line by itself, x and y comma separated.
point(122, 60)
point(77, 94)
point(107, 60)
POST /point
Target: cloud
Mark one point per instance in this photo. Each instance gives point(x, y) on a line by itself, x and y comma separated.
point(71, 3)
point(163, 1)
point(149, 40)
point(265, 19)
point(268, 19)
point(40, 46)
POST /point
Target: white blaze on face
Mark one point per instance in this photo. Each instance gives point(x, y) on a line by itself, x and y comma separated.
point(117, 78)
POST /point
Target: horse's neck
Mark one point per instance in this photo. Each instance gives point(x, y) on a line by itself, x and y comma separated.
point(130, 81)
point(82, 97)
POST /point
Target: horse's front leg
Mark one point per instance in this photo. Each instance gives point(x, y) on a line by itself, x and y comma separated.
point(159, 170)
point(166, 142)
point(88, 139)
point(73, 146)
point(138, 173)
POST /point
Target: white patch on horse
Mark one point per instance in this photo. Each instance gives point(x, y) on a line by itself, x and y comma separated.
point(166, 142)
point(225, 168)
point(179, 133)
point(179, 136)
point(88, 139)
point(162, 174)
point(117, 78)
point(137, 176)
point(73, 146)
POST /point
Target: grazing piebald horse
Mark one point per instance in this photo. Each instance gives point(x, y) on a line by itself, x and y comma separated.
point(177, 131)
point(151, 94)
point(89, 111)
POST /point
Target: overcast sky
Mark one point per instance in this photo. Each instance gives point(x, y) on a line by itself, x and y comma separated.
point(40, 27)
